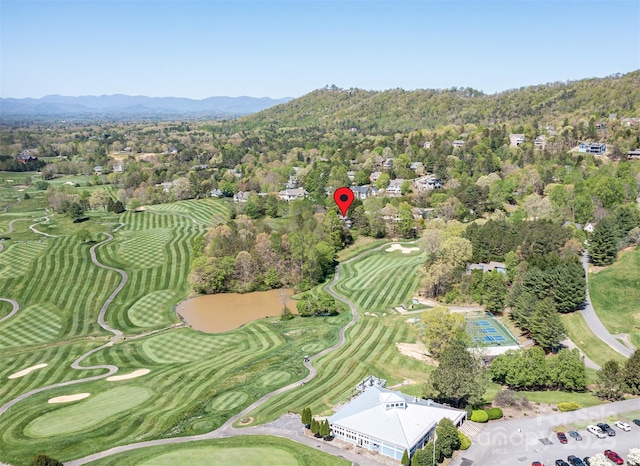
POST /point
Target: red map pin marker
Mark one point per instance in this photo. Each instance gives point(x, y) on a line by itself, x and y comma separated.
point(343, 197)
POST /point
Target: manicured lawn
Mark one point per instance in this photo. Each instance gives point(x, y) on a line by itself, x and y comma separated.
point(196, 380)
point(85, 415)
point(580, 333)
point(253, 450)
point(615, 294)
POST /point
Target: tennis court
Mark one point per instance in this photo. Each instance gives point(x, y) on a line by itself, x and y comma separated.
point(488, 331)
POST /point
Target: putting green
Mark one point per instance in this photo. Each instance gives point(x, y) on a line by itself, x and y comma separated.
point(225, 457)
point(88, 414)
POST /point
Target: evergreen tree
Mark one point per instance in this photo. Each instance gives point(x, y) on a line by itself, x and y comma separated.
point(632, 373)
point(306, 417)
point(315, 427)
point(603, 244)
point(545, 325)
point(448, 439)
point(610, 382)
point(325, 429)
point(569, 284)
point(405, 458)
point(495, 293)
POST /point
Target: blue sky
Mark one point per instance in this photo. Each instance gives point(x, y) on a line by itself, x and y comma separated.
point(199, 49)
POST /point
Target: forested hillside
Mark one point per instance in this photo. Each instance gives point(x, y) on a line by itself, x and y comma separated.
point(399, 110)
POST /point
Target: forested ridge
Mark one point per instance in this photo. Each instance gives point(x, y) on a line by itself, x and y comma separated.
point(400, 110)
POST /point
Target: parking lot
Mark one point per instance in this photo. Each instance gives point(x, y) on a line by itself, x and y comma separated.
point(500, 443)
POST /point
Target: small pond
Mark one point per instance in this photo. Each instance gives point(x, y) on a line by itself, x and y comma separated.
point(222, 312)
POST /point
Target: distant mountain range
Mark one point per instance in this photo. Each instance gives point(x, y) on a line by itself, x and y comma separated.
point(124, 106)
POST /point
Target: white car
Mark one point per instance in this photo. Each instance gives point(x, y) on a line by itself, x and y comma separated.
point(623, 426)
point(595, 430)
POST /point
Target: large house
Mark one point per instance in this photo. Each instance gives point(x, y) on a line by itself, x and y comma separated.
point(394, 187)
point(390, 422)
point(596, 148)
point(516, 139)
point(292, 194)
point(427, 183)
point(361, 192)
point(490, 267)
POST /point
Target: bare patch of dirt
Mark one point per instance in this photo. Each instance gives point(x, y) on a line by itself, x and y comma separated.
point(416, 351)
point(245, 420)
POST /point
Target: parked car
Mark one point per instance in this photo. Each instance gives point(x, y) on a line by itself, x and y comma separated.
point(637, 422)
point(575, 461)
point(595, 430)
point(575, 435)
point(623, 426)
point(606, 428)
point(613, 456)
point(562, 463)
point(587, 460)
point(537, 463)
point(562, 437)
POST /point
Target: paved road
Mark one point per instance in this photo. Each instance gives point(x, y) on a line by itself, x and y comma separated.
point(15, 309)
point(500, 443)
point(593, 321)
point(76, 364)
point(32, 228)
point(227, 429)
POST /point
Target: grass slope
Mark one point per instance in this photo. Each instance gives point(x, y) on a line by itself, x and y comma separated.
point(615, 294)
point(254, 450)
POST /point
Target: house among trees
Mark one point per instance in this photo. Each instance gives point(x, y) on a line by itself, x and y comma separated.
point(458, 144)
point(589, 227)
point(596, 148)
point(633, 154)
point(540, 142)
point(390, 422)
point(490, 267)
point(427, 183)
point(26, 157)
point(374, 176)
point(361, 192)
point(241, 197)
point(516, 139)
point(292, 194)
point(394, 187)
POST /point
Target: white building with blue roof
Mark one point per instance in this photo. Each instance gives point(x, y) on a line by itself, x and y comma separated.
point(390, 422)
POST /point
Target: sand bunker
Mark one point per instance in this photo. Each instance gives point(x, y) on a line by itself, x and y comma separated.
point(399, 247)
point(24, 372)
point(416, 351)
point(132, 375)
point(68, 398)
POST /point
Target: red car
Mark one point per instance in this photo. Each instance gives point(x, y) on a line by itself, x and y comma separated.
point(562, 437)
point(613, 456)
point(537, 463)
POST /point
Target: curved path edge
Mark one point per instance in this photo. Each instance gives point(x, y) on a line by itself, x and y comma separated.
point(111, 369)
point(227, 429)
point(592, 319)
point(16, 308)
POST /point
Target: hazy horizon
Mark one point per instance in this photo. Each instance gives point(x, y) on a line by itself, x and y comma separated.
point(277, 49)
